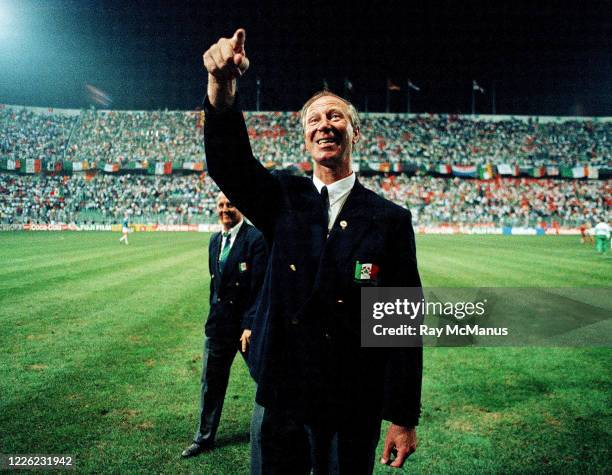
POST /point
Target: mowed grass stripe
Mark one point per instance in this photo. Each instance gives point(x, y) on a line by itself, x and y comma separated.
point(68, 244)
point(74, 258)
point(93, 321)
point(95, 345)
point(523, 270)
point(99, 281)
point(88, 307)
point(472, 266)
point(100, 355)
point(74, 272)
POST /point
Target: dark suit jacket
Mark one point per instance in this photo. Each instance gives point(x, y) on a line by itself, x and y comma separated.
point(234, 291)
point(311, 361)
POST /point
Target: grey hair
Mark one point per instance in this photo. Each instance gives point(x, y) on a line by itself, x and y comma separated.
point(352, 111)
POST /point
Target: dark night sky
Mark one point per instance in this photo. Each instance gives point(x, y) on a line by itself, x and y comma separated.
point(544, 57)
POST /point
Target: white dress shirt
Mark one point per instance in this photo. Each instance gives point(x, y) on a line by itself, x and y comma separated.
point(338, 193)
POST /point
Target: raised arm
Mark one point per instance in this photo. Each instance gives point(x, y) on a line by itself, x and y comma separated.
point(228, 151)
point(225, 61)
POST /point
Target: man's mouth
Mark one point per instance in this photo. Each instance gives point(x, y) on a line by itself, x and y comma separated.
point(326, 140)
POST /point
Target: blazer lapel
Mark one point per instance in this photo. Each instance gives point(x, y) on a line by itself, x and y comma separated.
point(214, 260)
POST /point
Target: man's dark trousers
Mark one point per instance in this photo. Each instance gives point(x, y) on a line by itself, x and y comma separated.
point(218, 358)
point(233, 295)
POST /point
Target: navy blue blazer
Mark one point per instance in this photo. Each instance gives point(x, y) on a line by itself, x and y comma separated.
point(233, 291)
point(308, 330)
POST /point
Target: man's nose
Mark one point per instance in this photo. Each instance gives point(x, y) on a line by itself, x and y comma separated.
point(324, 124)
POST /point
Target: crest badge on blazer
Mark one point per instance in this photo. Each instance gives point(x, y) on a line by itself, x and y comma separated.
point(365, 272)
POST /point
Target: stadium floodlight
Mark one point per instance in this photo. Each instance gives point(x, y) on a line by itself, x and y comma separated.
point(7, 19)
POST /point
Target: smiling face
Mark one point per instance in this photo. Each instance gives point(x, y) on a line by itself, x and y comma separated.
point(329, 134)
point(229, 216)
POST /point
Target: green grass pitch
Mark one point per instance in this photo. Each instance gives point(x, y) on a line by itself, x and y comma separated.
point(101, 352)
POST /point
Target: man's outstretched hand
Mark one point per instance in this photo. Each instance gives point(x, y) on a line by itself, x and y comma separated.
point(225, 61)
point(401, 439)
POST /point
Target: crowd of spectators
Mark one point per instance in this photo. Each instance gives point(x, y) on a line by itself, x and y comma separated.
point(28, 134)
point(106, 198)
point(121, 136)
point(190, 199)
point(509, 201)
point(276, 138)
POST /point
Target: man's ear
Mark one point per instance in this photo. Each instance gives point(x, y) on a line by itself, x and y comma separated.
point(356, 135)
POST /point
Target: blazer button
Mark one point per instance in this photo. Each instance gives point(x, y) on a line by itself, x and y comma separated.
point(231, 302)
point(340, 301)
point(328, 337)
point(295, 321)
point(292, 267)
point(237, 284)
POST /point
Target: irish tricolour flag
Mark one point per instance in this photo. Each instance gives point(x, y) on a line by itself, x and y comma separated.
point(365, 271)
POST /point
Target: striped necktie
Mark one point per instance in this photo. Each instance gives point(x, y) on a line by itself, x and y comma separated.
point(225, 249)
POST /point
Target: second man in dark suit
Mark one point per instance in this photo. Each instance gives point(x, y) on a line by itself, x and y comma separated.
point(237, 259)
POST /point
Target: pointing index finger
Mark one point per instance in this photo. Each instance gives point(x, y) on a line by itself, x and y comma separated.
point(238, 40)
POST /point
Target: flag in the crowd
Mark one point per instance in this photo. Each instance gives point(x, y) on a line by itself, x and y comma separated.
point(504, 169)
point(13, 164)
point(163, 168)
point(98, 96)
point(392, 86)
point(574, 172)
point(485, 172)
point(476, 87)
point(52, 167)
point(443, 169)
point(77, 166)
point(537, 172)
point(111, 167)
point(196, 166)
point(507, 169)
point(33, 165)
point(593, 173)
point(383, 167)
point(413, 86)
point(136, 165)
point(397, 167)
point(466, 171)
point(552, 171)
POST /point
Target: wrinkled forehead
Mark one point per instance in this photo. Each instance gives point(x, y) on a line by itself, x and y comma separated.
point(326, 103)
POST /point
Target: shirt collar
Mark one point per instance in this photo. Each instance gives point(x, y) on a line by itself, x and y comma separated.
point(336, 189)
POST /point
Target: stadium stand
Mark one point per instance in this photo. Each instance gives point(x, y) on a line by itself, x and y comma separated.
point(91, 166)
point(189, 199)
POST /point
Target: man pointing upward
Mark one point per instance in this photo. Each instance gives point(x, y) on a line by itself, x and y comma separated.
point(324, 395)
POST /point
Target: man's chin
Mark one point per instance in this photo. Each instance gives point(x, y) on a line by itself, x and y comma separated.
point(331, 161)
